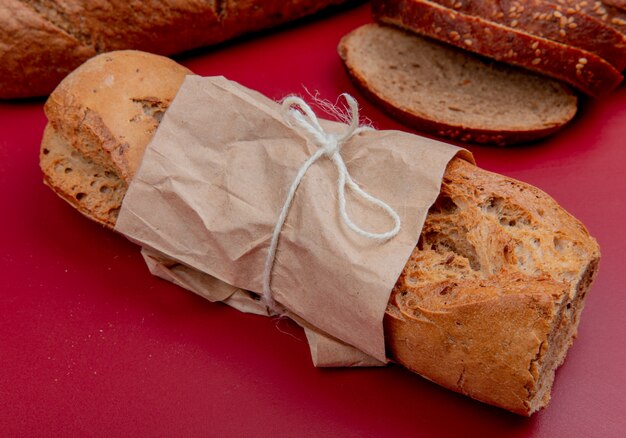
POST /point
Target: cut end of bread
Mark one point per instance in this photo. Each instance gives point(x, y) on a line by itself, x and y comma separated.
point(109, 107)
point(450, 93)
point(490, 300)
point(101, 118)
point(94, 190)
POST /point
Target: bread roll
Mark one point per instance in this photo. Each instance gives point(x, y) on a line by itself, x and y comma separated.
point(489, 301)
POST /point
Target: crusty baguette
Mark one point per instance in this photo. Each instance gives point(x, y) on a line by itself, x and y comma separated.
point(30, 66)
point(451, 93)
point(489, 301)
point(551, 21)
point(581, 69)
point(41, 41)
point(155, 26)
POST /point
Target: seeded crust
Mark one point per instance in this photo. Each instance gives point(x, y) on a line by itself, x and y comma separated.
point(621, 4)
point(448, 92)
point(579, 68)
point(41, 41)
point(489, 301)
point(551, 21)
point(604, 11)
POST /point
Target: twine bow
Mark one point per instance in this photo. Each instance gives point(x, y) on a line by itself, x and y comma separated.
point(296, 111)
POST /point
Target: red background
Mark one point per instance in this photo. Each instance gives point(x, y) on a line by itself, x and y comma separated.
point(92, 344)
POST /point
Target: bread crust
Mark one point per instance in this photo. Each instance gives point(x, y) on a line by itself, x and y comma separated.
point(603, 11)
point(490, 299)
point(489, 302)
point(93, 190)
point(581, 69)
point(551, 21)
point(35, 53)
point(161, 27)
point(110, 107)
point(44, 40)
point(105, 113)
point(621, 4)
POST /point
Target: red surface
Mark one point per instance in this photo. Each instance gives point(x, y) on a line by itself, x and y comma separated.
point(92, 344)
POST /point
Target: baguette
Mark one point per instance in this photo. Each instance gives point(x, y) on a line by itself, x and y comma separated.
point(551, 21)
point(41, 41)
point(490, 299)
point(579, 68)
point(30, 66)
point(452, 93)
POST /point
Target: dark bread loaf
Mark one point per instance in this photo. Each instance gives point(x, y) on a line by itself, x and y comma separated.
point(583, 70)
point(451, 93)
point(41, 41)
point(551, 21)
point(489, 301)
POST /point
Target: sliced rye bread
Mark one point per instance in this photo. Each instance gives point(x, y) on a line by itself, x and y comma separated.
point(551, 21)
point(489, 301)
point(579, 68)
point(451, 93)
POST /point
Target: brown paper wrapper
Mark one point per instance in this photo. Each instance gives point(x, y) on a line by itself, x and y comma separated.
point(325, 350)
point(207, 195)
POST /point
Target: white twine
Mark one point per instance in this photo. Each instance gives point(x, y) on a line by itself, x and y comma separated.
point(329, 145)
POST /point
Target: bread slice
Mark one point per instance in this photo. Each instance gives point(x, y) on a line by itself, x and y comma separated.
point(490, 299)
point(551, 21)
point(451, 93)
point(579, 68)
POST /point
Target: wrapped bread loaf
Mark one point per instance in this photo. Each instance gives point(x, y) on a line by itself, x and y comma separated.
point(487, 304)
